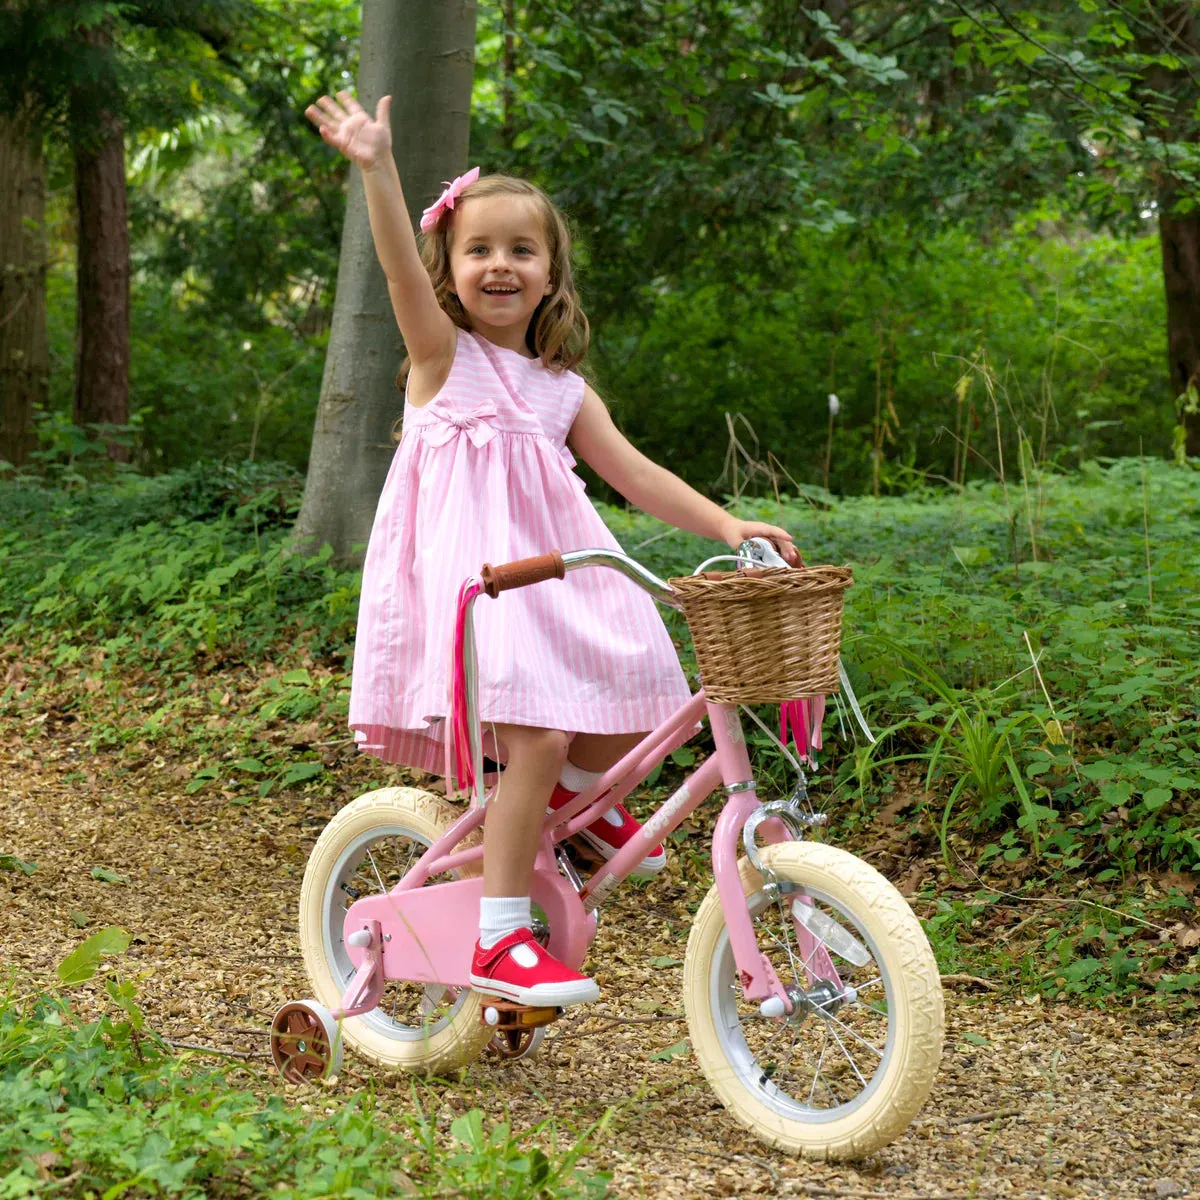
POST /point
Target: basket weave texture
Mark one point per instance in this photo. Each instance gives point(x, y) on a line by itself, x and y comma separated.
point(766, 635)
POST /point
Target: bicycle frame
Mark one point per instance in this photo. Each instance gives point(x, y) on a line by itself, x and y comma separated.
point(730, 765)
point(413, 912)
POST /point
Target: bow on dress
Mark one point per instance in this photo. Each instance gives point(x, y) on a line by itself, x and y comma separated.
point(449, 423)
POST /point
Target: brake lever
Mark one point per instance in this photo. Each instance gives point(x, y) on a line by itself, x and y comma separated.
point(761, 553)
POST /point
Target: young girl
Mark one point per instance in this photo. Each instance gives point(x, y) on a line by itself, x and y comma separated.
point(572, 674)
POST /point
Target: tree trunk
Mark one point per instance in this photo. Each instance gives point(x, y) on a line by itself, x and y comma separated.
point(1175, 30)
point(24, 357)
point(422, 52)
point(509, 85)
point(102, 287)
point(1180, 237)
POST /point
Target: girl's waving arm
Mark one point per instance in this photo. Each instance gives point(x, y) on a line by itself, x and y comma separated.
point(656, 490)
point(429, 334)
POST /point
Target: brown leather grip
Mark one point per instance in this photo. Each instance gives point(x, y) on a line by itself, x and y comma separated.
point(522, 573)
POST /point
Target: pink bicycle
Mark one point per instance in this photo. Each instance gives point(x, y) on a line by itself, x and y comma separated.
point(812, 997)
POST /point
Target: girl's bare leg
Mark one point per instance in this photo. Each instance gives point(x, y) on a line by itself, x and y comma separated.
point(517, 811)
point(598, 751)
point(507, 961)
point(591, 755)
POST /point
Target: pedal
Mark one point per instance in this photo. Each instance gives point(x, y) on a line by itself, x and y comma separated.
point(506, 1014)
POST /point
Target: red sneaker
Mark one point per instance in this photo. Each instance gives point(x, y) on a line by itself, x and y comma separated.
point(612, 832)
point(519, 968)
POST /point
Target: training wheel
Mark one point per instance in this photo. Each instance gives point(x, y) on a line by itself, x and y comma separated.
point(306, 1042)
point(512, 1044)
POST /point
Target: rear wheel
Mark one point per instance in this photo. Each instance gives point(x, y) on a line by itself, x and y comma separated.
point(367, 849)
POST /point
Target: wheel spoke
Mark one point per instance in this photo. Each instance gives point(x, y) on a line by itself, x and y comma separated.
point(849, 1057)
point(798, 1064)
point(838, 1021)
point(828, 1073)
point(374, 868)
point(412, 855)
point(782, 1026)
point(379, 860)
point(366, 850)
point(786, 921)
point(787, 1060)
point(812, 1091)
point(819, 946)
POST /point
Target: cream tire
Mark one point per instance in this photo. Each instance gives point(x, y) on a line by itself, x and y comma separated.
point(726, 1030)
point(382, 819)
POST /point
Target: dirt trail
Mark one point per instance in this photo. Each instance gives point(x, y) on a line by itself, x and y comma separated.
point(1046, 1101)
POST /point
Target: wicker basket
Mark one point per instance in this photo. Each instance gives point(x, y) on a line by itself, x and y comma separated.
point(766, 635)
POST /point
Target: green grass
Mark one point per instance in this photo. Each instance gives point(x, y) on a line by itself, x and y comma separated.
point(101, 1107)
point(949, 605)
point(1027, 653)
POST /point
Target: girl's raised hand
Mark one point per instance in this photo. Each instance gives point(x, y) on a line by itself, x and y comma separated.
point(348, 127)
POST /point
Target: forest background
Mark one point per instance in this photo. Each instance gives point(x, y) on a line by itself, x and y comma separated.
point(774, 204)
point(920, 281)
point(940, 260)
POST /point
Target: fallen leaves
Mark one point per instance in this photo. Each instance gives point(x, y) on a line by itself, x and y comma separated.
point(1030, 1099)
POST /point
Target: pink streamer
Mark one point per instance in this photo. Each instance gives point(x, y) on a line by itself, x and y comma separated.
point(460, 769)
point(803, 719)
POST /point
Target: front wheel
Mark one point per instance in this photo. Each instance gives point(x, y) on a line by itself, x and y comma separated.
point(847, 1070)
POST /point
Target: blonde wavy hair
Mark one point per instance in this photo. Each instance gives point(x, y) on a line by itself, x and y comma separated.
point(558, 331)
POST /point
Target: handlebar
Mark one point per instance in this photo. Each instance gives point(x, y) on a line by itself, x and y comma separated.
point(524, 571)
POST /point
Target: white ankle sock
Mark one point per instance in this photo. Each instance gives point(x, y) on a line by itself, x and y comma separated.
point(501, 915)
point(576, 779)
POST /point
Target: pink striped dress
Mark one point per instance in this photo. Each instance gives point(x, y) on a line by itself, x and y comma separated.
point(483, 474)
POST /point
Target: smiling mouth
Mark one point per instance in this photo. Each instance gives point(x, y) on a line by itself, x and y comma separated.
point(500, 289)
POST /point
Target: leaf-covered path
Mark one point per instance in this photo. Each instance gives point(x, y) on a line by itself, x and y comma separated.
point(1033, 1100)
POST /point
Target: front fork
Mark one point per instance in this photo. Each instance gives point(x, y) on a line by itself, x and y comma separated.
point(741, 819)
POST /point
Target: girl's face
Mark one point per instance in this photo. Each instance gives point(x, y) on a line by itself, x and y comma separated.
point(500, 262)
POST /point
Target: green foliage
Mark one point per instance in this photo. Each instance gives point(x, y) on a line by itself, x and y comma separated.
point(1082, 950)
point(80, 62)
point(1072, 331)
point(863, 210)
point(201, 388)
point(1119, 79)
point(1105, 607)
point(244, 219)
point(754, 120)
point(1085, 759)
point(1021, 651)
point(140, 571)
point(720, 158)
point(83, 962)
point(102, 1106)
point(493, 1163)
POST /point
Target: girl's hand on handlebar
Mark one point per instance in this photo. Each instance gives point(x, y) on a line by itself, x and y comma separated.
point(736, 532)
point(348, 127)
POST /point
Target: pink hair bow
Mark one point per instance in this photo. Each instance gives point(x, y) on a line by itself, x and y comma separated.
point(429, 218)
